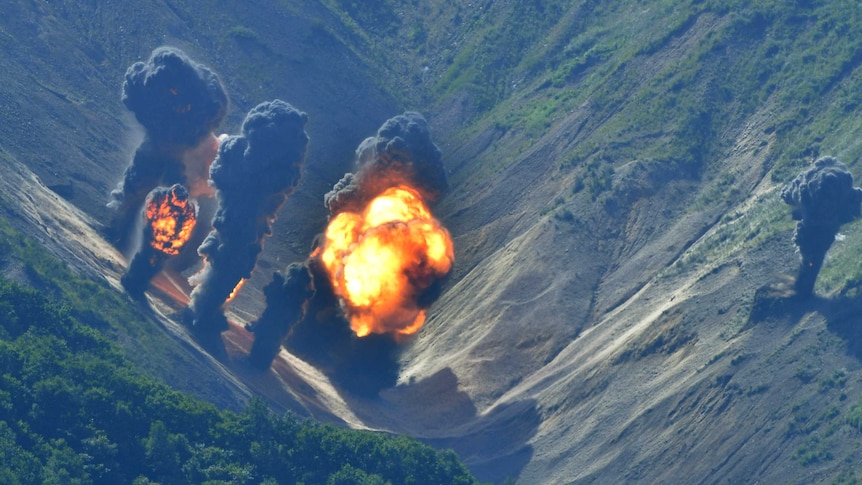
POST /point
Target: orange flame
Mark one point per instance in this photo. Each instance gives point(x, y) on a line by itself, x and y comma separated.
point(235, 290)
point(381, 260)
point(171, 217)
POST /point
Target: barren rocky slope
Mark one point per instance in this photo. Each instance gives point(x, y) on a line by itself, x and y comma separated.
point(619, 308)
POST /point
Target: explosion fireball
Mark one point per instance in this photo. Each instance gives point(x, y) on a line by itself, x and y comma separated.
point(171, 216)
point(381, 260)
point(178, 103)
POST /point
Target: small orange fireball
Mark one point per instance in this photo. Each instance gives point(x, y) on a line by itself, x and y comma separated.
point(171, 217)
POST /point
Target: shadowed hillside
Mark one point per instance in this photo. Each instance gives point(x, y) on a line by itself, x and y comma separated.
point(621, 304)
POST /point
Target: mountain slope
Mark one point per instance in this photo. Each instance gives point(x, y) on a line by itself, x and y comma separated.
point(75, 411)
point(619, 166)
point(618, 309)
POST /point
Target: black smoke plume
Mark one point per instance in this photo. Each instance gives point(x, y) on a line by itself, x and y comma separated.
point(823, 198)
point(253, 174)
point(363, 366)
point(287, 298)
point(402, 152)
point(169, 217)
point(178, 103)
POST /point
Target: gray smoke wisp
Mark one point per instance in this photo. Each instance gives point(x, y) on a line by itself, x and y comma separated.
point(178, 103)
point(253, 174)
point(823, 198)
point(169, 218)
point(287, 300)
point(402, 152)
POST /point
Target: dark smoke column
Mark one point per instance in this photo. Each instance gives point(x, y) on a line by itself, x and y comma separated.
point(179, 103)
point(287, 299)
point(253, 174)
point(823, 198)
point(403, 152)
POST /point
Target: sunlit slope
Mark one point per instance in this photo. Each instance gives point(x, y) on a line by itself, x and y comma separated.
point(614, 212)
point(618, 306)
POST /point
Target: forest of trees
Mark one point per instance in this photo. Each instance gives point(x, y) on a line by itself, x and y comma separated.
point(74, 410)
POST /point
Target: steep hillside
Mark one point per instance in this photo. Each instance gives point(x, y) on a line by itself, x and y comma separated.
point(71, 403)
point(620, 307)
point(63, 75)
point(614, 202)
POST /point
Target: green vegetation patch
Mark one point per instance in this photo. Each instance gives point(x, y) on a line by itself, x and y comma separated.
point(75, 411)
point(91, 302)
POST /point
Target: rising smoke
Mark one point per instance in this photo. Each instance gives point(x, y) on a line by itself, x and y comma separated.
point(403, 157)
point(823, 198)
point(253, 175)
point(178, 103)
point(402, 153)
point(169, 218)
point(383, 250)
point(287, 299)
point(362, 366)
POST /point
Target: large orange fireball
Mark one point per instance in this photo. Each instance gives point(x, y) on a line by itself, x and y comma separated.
point(381, 260)
point(171, 216)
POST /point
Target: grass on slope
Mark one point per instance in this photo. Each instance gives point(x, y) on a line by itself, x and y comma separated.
point(676, 96)
point(91, 302)
point(663, 80)
point(75, 411)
